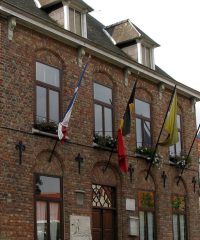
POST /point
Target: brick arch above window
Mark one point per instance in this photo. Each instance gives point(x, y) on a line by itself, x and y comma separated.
point(181, 189)
point(103, 78)
point(143, 184)
point(50, 57)
point(42, 164)
point(144, 94)
point(111, 177)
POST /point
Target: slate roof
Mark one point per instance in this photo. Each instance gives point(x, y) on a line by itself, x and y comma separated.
point(95, 28)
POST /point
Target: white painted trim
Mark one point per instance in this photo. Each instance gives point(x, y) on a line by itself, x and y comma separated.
point(152, 58)
point(66, 15)
point(104, 53)
point(139, 48)
point(37, 3)
point(109, 36)
point(134, 27)
point(84, 25)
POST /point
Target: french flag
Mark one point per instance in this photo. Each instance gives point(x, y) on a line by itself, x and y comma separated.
point(63, 126)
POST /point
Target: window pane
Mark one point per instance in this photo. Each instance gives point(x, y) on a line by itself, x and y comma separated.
point(150, 220)
point(172, 150)
point(178, 121)
point(139, 132)
point(41, 218)
point(182, 226)
point(147, 57)
point(141, 225)
point(102, 93)
point(78, 22)
point(108, 121)
point(55, 221)
point(53, 106)
point(147, 134)
point(178, 145)
point(175, 227)
point(142, 108)
point(98, 119)
point(47, 74)
point(71, 20)
point(41, 103)
point(48, 186)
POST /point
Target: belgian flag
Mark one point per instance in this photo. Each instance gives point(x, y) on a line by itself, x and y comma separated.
point(124, 129)
point(125, 123)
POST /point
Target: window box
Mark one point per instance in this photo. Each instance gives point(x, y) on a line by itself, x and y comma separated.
point(180, 161)
point(107, 143)
point(146, 153)
point(49, 127)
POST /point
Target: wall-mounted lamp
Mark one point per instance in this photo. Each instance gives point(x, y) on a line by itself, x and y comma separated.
point(133, 226)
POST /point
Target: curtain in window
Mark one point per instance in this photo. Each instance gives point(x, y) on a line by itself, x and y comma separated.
point(41, 220)
point(175, 226)
point(142, 225)
point(182, 226)
point(54, 221)
point(150, 225)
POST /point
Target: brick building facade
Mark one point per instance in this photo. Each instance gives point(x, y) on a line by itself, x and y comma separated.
point(42, 199)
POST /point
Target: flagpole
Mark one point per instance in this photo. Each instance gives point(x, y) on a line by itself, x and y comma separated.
point(179, 178)
point(153, 155)
point(108, 162)
point(82, 74)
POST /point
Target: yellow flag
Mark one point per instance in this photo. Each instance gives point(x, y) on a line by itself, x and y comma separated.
point(171, 124)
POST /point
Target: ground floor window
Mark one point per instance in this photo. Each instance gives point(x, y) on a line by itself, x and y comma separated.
point(48, 205)
point(147, 215)
point(179, 218)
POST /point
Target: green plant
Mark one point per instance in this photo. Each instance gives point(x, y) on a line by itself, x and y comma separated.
point(181, 161)
point(148, 153)
point(147, 200)
point(50, 127)
point(178, 203)
point(106, 141)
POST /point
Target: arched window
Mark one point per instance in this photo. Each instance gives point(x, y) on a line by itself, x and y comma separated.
point(143, 123)
point(47, 93)
point(103, 110)
point(176, 149)
point(179, 217)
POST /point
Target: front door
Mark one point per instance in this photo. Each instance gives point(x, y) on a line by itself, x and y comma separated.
point(103, 214)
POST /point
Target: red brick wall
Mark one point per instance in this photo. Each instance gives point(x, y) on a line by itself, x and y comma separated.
point(17, 85)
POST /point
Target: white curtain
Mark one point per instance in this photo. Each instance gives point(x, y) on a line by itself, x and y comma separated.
point(41, 220)
point(54, 221)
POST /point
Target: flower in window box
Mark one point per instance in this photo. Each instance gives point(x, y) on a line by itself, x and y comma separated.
point(50, 127)
point(106, 141)
point(147, 153)
point(181, 161)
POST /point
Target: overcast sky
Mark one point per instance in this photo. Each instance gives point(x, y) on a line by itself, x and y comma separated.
point(174, 24)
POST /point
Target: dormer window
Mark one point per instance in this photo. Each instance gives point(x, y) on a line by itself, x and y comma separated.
point(75, 21)
point(146, 56)
point(70, 14)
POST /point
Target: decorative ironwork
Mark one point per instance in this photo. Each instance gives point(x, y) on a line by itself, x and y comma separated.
point(79, 159)
point(103, 196)
point(194, 181)
point(164, 177)
point(21, 149)
point(131, 171)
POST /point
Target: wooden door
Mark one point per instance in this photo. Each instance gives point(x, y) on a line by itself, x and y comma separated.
point(103, 214)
